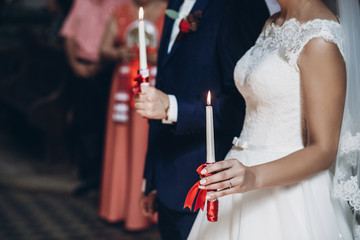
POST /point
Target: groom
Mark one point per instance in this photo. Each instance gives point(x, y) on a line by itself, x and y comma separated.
point(189, 66)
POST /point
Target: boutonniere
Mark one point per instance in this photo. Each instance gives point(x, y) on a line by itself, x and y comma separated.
point(187, 24)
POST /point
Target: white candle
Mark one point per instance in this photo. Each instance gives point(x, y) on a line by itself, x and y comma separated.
point(142, 40)
point(210, 148)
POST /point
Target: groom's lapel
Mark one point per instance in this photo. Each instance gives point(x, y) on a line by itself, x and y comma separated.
point(166, 33)
point(199, 5)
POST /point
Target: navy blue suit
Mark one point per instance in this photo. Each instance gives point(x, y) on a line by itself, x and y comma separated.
point(202, 60)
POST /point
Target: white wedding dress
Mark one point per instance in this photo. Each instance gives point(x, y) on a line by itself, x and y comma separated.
point(268, 78)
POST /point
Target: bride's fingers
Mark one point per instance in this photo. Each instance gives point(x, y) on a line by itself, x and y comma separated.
point(234, 171)
point(218, 178)
point(230, 183)
point(218, 166)
point(219, 194)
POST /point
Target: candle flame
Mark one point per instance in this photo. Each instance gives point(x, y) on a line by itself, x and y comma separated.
point(209, 98)
point(141, 13)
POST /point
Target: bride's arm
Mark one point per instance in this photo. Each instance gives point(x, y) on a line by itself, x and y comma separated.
point(323, 84)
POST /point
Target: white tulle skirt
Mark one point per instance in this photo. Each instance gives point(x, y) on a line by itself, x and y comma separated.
point(302, 211)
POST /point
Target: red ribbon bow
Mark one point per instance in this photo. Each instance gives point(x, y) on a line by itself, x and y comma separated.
point(139, 79)
point(195, 190)
point(212, 206)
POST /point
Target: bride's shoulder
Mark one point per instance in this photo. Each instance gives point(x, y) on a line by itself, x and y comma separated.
point(319, 26)
point(322, 13)
point(319, 17)
point(317, 11)
point(320, 21)
point(315, 36)
point(322, 33)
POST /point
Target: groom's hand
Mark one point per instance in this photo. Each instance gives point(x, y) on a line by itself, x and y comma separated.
point(152, 103)
point(148, 204)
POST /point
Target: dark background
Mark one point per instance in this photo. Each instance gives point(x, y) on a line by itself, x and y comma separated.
point(38, 164)
point(35, 107)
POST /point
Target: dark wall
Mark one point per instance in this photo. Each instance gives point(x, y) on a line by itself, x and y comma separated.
point(34, 75)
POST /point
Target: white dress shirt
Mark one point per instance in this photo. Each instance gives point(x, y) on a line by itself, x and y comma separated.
point(183, 12)
point(273, 6)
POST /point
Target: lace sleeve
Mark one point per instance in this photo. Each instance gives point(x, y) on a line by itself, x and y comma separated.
point(265, 30)
point(318, 28)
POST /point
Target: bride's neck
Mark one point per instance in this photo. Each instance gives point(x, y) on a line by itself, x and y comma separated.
point(296, 8)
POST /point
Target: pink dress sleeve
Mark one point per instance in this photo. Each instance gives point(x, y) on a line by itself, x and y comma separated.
point(70, 26)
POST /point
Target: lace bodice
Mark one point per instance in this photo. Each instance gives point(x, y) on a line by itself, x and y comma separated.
point(268, 78)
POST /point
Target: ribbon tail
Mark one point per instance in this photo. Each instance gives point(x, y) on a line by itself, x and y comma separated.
point(201, 167)
point(136, 90)
point(191, 196)
point(200, 201)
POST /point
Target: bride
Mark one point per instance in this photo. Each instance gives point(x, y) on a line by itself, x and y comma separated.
point(275, 182)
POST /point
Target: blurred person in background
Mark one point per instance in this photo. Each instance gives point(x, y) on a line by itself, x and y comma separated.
point(126, 131)
point(83, 30)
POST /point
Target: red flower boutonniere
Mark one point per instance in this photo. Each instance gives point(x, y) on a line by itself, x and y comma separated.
point(188, 23)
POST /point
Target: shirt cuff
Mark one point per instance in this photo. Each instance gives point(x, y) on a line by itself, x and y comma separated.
point(143, 185)
point(172, 112)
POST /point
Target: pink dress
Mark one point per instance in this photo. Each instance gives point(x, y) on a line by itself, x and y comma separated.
point(88, 31)
point(126, 139)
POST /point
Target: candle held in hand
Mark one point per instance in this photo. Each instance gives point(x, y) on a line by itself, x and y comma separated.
point(212, 205)
point(142, 40)
point(210, 148)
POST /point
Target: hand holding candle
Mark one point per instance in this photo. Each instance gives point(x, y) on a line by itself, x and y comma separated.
point(212, 205)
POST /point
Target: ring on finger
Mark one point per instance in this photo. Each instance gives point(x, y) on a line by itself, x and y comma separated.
point(230, 186)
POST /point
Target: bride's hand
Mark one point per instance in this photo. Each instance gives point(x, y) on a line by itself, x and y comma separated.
point(228, 177)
